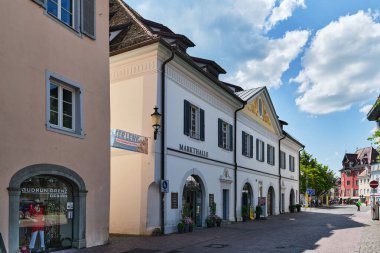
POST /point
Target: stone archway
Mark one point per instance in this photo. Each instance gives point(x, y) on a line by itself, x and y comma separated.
point(246, 200)
point(193, 199)
point(291, 198)
point(270, 201)
point(79, 200)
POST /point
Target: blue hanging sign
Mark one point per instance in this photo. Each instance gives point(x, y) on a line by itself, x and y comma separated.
point(129, 141)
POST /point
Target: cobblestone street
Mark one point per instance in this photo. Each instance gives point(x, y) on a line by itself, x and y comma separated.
point(338, 229)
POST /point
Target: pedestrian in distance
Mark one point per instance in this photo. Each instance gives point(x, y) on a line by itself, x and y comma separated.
point(358, 204)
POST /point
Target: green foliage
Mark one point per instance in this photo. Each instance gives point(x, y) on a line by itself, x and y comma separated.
point(319, 176)
point(375, 138)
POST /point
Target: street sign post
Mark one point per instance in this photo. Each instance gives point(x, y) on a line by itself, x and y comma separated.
point(310, 192)
point(373, 184)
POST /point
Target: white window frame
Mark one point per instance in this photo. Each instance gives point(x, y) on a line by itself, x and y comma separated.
point(225, 135)
point(61, 87)
point(77, 105)
point(59, 12)
point(247, 147)
point(260, 151)
point(291, 163)
point(194, 131)
point(271, 154)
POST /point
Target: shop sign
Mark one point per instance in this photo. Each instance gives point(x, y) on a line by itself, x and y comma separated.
point(129, 141)
point(52, 192)
point(165, 186)
point(194, 151)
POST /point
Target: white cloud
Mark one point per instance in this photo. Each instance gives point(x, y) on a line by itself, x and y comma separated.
point(268, 70)
point(341, 66)
point(365, 109)
point(283, 12)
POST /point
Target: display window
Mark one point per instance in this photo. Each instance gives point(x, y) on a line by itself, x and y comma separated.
point(46, 214)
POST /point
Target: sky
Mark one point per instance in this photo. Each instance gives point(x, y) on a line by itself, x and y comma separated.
point(320, 60)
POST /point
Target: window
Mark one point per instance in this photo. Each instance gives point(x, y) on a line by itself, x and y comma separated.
point(260, 108)
point(247, 144)
point(225, 139)
point(291, 163)
point(64, 105)
point(194, 120)
point(78, 15)
point(348, 182)
point(62, 10)
point(357, 182)
point(282, 160)
point(259, 150)
point(270, 154)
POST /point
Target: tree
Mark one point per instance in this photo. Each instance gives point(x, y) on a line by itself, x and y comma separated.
point(319, 176)
point(376, 135)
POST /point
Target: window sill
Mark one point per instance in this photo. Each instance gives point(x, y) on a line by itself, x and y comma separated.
point(65, 132)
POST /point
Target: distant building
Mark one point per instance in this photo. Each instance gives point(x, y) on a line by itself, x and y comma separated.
point(356, 167)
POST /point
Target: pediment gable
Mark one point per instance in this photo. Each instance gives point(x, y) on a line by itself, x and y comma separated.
point(260, 108)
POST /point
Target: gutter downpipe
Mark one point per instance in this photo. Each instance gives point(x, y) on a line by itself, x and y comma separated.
point(299, 173)
point(163, 136)
point(279, 171)
point(235, 158)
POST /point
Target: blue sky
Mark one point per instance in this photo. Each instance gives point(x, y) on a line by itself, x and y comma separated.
point(320, 60)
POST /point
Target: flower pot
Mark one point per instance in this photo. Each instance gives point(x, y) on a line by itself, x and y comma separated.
point(187, 228)
point(191, 227)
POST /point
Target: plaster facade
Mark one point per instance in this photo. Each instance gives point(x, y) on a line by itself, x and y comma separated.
point(32, 44)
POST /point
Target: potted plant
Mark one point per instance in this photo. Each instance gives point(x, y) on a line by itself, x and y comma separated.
point(258, 212)
point(218, 221)
point(209, 222)
point(298, 206)
point(191, 227)
point(292, 208)
point(187, 221)
point(180, 227)
point(244, 213)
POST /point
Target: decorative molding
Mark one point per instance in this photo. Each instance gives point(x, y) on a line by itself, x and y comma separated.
point(197, 90)
point(128, 70)
point(225, 177)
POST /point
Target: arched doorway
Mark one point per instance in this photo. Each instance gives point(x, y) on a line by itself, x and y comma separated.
point(270, 201)
point(246, 200)
point(291, 197)
point(192, 199)
point(51, 200)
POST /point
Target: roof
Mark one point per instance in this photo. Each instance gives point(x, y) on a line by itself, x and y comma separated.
point(292, 138)
point(245, 95)
point(209, 66)
point(134, 29)
point(374, 113)
point(368, 154)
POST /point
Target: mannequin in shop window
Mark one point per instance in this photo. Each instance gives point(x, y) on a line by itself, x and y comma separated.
point(37, 216)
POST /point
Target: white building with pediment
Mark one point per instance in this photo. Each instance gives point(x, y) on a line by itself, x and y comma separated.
point(216, 142)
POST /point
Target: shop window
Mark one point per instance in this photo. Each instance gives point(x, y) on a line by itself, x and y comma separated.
point(46, 214)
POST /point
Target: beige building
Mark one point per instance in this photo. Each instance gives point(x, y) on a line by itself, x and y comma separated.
point(54, 124)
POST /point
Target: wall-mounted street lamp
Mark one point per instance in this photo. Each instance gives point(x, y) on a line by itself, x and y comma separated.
point(156, 121)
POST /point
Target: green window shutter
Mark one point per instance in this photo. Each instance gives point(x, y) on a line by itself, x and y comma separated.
point(262, 149)
point(231, 137)
point(243, 149)
point(88, 19)
point(40, 2)
point(251, 145)
point(273, 161)
point(186, 118)
point(268, 154)
point(220, 133)
point(202, 124)
point(257, 149)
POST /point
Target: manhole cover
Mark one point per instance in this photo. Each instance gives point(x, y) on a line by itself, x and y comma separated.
point(217, 246)
point(137, 250)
